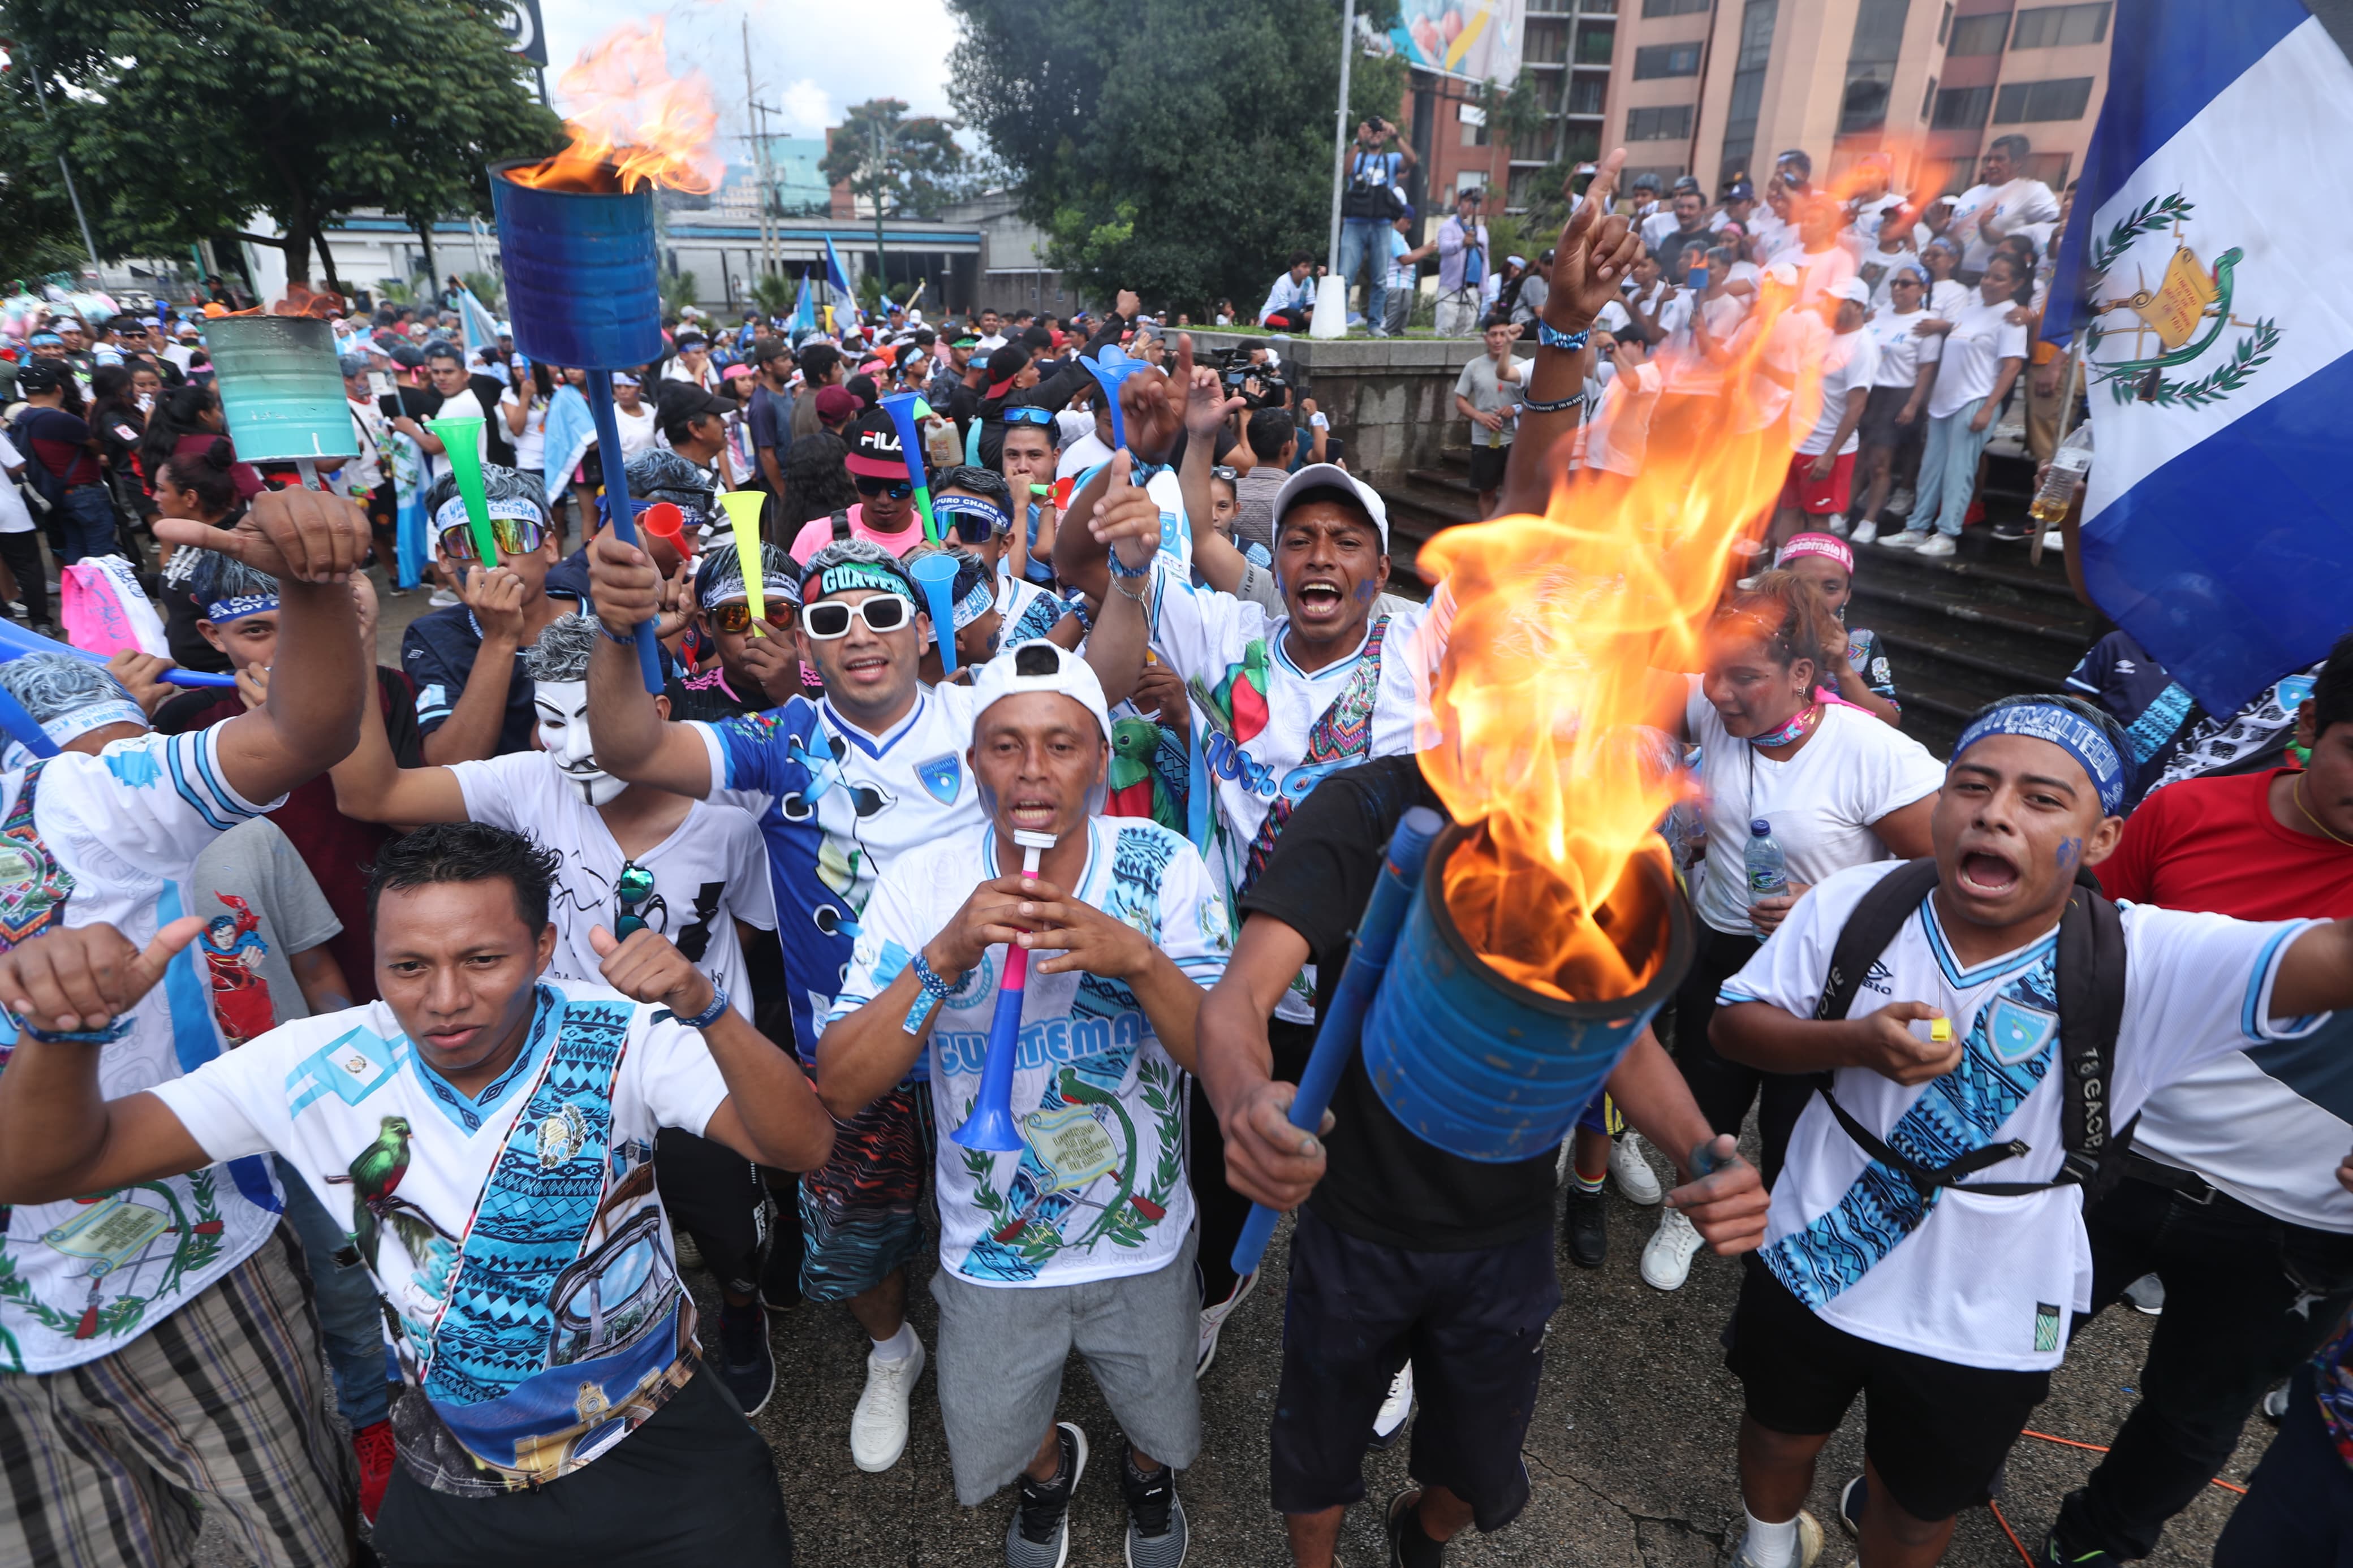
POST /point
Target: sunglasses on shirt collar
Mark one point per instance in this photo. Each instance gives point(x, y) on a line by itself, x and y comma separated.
point(897, 489)
point(512, 535)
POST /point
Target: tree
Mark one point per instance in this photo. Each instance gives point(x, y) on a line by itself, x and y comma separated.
point(1177, 149)
point(184, 117)
point(911, 165)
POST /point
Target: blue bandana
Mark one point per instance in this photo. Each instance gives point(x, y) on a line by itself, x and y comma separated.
point(45, 341)
point(2071, 732)
point(975, 605)
point(973, 506)
point(222, 611)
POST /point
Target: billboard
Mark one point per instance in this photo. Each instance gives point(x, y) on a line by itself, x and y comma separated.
point(1478, 40)
point(519, 20)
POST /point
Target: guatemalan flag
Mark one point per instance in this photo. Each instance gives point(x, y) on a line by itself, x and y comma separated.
point(2203, 264)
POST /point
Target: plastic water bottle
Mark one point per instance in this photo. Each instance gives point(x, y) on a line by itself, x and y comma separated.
point(2069, 464)
point(1768, 873)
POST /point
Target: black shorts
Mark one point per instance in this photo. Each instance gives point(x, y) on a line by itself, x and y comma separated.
point(1471, 1322)
point(693, 1487)
point(1937, 1432)
point(716, 1197)
point(1879, 411)
point(1487, 467)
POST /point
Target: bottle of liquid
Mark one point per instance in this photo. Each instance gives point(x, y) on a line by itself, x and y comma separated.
point(1768, 873)
point(2069, 464)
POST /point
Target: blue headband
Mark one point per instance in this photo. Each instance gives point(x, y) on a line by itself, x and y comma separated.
point(975, 603)
point(46, 339)
point(2071, 732)
point(452, 513)
point(222, 611)
point(973, 506)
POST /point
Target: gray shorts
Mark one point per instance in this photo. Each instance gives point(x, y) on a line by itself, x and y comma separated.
point(1002, 1351)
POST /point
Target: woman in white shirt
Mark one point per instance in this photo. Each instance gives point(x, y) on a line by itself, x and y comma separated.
point(1947, 294)
point(524, 406)
point(1984, 351)
point(1899, 390)
point(1837, 788)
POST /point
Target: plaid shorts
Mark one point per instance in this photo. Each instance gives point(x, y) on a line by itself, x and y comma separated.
point(224, 1403)
point(860, 1218)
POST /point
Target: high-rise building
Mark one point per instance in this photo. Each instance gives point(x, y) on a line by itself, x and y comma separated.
point(1716, 89)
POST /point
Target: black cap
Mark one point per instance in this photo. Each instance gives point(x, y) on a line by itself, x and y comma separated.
point(42, 375)
point(1006, 361)
point(874, 448)
point(680, 401)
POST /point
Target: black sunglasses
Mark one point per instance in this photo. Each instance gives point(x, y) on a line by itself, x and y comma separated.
point(897, 489)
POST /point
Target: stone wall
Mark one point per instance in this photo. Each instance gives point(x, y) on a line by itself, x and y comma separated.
point(1391, 399)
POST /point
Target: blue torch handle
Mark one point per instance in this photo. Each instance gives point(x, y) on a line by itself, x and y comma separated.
point(991, 1127)
point(15, 641)
point(1343, 1020)
point(617, 506)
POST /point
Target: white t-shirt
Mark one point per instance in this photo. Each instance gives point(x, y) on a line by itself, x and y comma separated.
point(711, 871)
point(1100, 1191)
point(2022, 207)
point(1879, 267)
point(1254, 712)
point(530, 441)
point(1901, 350)
point(126, 825)
point(1981, 338)
point(638, 430)
point(2229, 1119)
point(1853, 771)
point(16, 517)
point(1688, 370)
point(1077, 427)
point(1948, 298)
point(1616, 437)
point(1849, 362)
point(1819, 271)
point(1978, 1280)
point(1167, 492)
point(838, 806)
point(1024, 610)
point(1793, 340)
point(321, 1091)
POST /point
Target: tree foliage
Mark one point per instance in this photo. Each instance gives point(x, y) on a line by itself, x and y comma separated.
point(184, 117)
point(1174, 148)
point(901, 165)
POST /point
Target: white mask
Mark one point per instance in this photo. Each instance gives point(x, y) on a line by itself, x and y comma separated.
point(564, 735)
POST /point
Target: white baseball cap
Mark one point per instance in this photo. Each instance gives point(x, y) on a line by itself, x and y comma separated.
point(1853, 289)
point(1316, 474)
point(1039, 666)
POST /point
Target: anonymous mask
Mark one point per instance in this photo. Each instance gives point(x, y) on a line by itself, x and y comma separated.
point(564, 735)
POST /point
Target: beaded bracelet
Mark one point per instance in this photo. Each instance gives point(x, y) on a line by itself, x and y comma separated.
point(105, 1037)
point(935, 991)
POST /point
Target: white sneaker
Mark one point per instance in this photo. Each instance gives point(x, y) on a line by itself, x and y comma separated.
point(1866, 531)
point(878, 1427)
point(1743, 583)
point(443, 598)
point(2055, 540)
point(1836, 526)
point(1902, 503)
point(1667, 1258)
point(1809, 1544)
point(1910, 539)
point(1390, 1418)
point(1637, 1183)
point(1213, 1319)
point(1936, 546)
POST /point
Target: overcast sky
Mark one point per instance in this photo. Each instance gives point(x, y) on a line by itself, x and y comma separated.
point(810, 59)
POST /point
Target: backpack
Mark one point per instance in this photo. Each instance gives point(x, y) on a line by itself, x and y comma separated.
point(841, 527)
point(2091, 983)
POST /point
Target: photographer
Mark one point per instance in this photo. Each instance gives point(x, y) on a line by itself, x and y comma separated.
point(1374, 200)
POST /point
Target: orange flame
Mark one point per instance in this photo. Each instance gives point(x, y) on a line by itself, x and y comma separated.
point(632, 121)
point(1568, 637)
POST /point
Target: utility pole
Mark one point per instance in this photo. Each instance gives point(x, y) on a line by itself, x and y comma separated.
point(878, 177)
point(759, 140)
point(72, 195)
point(1340, 132)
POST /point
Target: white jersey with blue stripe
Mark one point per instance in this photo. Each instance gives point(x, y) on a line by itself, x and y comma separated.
point(80, 1279)
point(1979, 1280)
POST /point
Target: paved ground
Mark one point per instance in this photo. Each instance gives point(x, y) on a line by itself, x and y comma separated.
point(1630, 1452)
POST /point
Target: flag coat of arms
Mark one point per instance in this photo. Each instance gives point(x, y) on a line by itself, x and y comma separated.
point(2216, 343)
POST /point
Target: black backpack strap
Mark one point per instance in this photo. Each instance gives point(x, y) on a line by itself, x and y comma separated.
point(1877, 916)
point(2091, 980)
point(840, 527)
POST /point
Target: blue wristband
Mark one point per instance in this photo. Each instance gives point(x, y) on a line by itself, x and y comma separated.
point(1551, 337)
point(1120, 568)
point(935, 991)
point(710, 1014)
point(105, 1037)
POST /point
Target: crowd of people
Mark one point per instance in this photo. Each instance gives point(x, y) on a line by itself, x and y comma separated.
point(388, 1047)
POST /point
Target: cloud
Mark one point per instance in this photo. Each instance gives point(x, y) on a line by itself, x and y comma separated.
point(807, 108)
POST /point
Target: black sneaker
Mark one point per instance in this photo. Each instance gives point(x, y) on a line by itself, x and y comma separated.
point(2055, 1554)
point(2011, 532)
point(1039, 1535)
point(1156, 1532)
point(1585, 1237)
point(1409, 1547)
point(747, 1365)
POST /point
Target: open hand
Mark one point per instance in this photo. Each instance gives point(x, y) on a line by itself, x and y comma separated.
point(1206, 402)
point(84, 977)
point(1595, 249)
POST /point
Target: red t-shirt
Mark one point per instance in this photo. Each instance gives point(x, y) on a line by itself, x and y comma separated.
point(2212, 845)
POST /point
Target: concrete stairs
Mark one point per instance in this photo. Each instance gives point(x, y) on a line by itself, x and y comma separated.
point(1959, 632)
